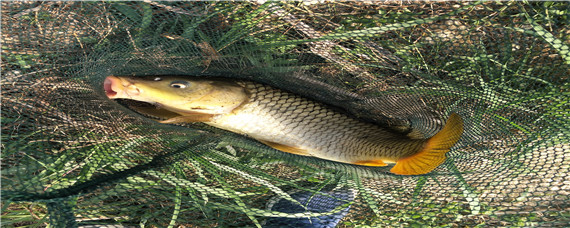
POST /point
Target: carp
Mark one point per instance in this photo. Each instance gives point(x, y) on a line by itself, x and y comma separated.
point(287, 122)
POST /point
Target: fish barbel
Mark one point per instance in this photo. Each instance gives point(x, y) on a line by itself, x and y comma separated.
point(287, 122)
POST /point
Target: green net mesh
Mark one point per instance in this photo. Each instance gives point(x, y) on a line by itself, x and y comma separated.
point(73, 158)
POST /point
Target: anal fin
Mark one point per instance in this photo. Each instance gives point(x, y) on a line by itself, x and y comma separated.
point(286, 148)
point(370, 163)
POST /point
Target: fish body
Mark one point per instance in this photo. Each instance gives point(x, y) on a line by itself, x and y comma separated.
point(288, 122)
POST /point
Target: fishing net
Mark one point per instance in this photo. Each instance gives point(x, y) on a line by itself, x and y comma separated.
point(71, 157)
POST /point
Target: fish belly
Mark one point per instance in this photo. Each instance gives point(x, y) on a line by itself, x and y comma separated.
point(284, 118)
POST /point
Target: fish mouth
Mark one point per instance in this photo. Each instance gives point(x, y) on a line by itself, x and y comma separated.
point(110, 90)
point(116, 87)
point(125, 88)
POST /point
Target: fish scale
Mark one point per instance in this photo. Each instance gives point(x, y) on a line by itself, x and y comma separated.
point(286, 121)
point(321, 131)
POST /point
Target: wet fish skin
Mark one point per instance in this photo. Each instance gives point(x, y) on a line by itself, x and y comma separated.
point(199, 96)
point(289, 122)
point(288, 119)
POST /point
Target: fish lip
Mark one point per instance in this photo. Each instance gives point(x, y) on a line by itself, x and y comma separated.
point(107, 86)
point(110, 85)
point(116, 87)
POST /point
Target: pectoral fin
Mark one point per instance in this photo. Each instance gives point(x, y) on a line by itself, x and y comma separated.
point(190, 118)
point(155, 112)
point(286, 148)
point(370, 163)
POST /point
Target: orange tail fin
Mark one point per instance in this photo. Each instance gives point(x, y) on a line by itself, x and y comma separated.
point(433, 153)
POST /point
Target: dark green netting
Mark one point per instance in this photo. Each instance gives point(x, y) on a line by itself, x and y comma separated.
point(72, 157)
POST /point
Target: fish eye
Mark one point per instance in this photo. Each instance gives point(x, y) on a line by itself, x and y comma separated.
point(158, 79)
point(179, 84)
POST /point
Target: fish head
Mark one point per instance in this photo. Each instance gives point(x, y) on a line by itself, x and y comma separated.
point(178, 94)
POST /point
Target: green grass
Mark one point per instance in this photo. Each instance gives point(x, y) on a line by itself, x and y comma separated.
point(24, 214)
point(492, 64)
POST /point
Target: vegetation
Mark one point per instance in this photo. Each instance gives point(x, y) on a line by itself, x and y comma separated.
point(499, 64)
